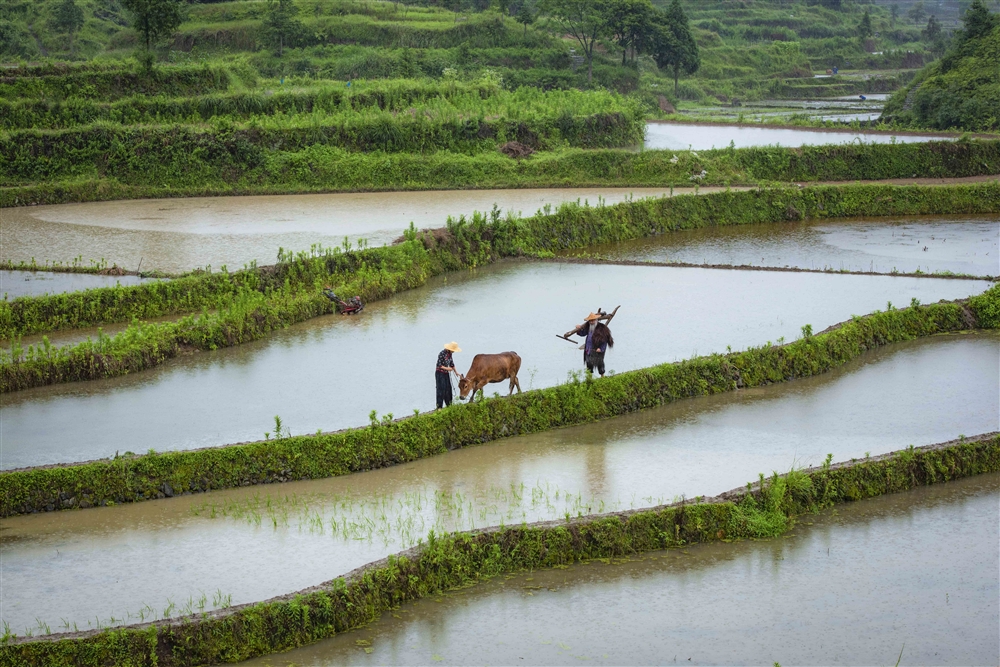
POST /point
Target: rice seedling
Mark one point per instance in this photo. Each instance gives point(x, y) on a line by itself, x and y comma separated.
point(403, 518)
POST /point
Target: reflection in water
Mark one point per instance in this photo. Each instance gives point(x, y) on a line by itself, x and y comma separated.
point(681, 136)
point(913, 577)
point(33, 283)
point(965, 244)
point(331, 372)
point(110, 561)
point(176, 235)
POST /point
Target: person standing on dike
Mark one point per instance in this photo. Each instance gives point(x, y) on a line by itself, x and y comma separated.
point(598, 340)
point(445, 365)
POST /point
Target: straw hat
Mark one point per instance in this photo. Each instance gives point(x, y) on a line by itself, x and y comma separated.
point(592, 317)
point(453, 347)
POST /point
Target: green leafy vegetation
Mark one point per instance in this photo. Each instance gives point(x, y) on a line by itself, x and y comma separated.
point(962, 90)
point(451, 561)
point(195, 163)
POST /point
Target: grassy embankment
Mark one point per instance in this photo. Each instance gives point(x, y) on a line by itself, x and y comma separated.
point(251, 303)
point(138, 162)
point(386, 442)
point(763, 510)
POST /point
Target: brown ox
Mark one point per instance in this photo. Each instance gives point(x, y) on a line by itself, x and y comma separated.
point(488, 368)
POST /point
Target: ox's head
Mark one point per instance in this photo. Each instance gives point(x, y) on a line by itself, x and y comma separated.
point(464, 386)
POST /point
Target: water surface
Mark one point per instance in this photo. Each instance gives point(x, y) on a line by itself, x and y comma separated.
point(332, 371)
point(33, 283)
point(112, 561)
point(681, 136)
point(911, 577)
point(956, 244)
point(176, 235)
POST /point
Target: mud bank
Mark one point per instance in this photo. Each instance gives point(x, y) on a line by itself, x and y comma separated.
point(765, 509)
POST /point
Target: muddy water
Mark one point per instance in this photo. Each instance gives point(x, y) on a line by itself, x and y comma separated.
point(175, 235)
point(74, 336)
point(112, 561)
point(911, 577)
point(331, 372)
point(33, 283)
point(681, 136)
point(959, 244)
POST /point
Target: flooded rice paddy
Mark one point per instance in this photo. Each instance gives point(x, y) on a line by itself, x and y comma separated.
point(163, 557)
point(682, 136)
point(177, 235)
point(34, 283)
point(841, 109)
point(331, 372)
point(931, 244)
point(905, 579)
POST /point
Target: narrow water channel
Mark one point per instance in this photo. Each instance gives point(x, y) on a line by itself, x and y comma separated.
point(177, 235)
point(331, 372)
point(682, 136)
point(906, 579)
point(113, 562)
point(33, 283)
point(931, 244)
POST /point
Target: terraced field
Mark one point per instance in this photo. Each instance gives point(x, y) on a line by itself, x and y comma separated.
point(792, 456)
point(872, 386)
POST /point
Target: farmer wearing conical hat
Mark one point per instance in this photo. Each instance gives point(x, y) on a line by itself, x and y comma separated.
point(445, 365)
point(597, 339)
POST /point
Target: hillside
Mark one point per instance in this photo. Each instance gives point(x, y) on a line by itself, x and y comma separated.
point(749, 50)
point(961, 91)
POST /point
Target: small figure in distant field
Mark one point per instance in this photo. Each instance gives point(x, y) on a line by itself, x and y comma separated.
point(863, 98)
point(597, 339)
point(351, 306)
point(445, 365)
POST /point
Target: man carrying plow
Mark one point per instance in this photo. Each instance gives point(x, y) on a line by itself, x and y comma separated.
point(597, 337)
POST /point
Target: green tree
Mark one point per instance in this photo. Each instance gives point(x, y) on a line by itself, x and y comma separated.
point(933, 29)
point(674, 48)
point(154, 18)
point(583, 20)
point(978, 21)
point(503, 6)
point(865, 26)
point(524, 16)
point(67, 18)
point(917, 13)
point(628, 22)
point(893, 15)
point(280, 25)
